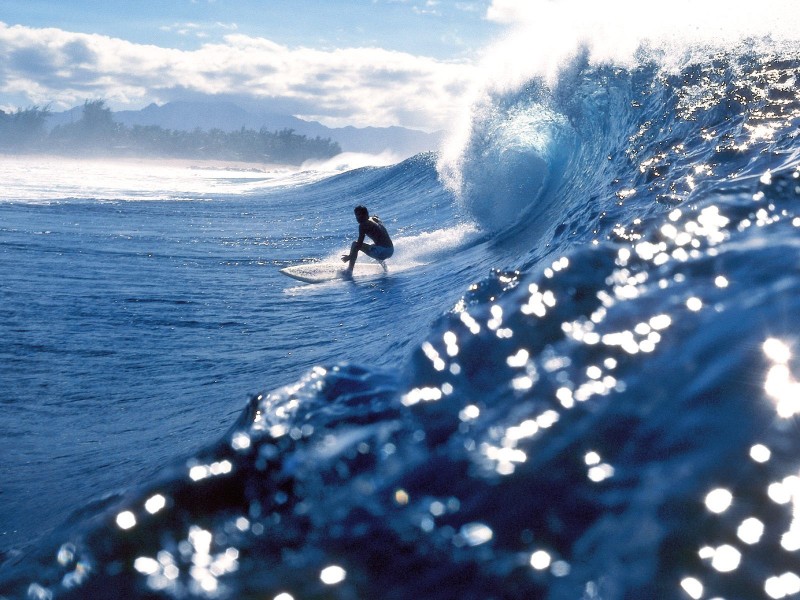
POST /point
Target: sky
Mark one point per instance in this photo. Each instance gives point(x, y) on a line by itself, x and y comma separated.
point(413, 63)
point(341, 62)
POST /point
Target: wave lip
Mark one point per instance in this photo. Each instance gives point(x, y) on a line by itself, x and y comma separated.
point(515, 152)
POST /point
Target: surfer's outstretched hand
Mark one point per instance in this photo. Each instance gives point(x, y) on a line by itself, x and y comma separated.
point(345, 257)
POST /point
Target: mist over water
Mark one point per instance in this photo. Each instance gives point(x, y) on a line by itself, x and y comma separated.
point(36, 178)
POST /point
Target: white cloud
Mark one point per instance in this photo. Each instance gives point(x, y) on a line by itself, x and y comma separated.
point(359, 86)
point(429, 8)
point(198, 30)
point(510, 11)
point(469, 7)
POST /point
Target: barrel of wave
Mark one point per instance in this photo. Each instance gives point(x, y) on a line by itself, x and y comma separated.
point(511, 157)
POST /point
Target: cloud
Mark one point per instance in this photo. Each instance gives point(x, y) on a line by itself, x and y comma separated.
point(346, 86)
point(198, 30)
point(509, 11)
point(428, 8)
point(470, 7)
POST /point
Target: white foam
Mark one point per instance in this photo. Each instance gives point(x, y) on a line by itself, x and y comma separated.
point(347, 161)
point(433, 245)
point(423, 248)
point(543, 33)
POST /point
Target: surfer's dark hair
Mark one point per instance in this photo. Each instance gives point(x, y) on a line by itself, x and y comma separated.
point(361, 209)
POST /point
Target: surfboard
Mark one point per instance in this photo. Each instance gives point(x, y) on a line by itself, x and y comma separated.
point(328, 271)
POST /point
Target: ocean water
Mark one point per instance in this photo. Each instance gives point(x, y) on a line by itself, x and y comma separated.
point(579, 378)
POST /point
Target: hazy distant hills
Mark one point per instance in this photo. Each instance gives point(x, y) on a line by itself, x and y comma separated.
point(228, 116)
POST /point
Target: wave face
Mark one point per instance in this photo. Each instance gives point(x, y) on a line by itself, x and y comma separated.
point(610, 414)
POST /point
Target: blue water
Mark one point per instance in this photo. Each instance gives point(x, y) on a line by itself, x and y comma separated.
point(578, 379)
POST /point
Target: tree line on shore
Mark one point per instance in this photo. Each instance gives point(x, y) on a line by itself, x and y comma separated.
point(97, 134)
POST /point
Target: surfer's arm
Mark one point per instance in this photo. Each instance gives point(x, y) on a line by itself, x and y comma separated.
point(362, 231)
point(356, 245)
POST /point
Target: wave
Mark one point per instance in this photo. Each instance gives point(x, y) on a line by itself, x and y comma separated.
point(519, 149)
point(348, 161)
point(632, 134)
point(617, 420)
point(610, 417)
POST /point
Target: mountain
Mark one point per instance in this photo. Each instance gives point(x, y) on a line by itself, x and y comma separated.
point(186, 116)
point(229, 116)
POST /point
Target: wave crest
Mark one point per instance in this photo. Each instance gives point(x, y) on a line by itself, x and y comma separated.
point(516, 149)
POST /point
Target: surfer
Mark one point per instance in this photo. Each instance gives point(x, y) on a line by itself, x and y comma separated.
point(373, 228)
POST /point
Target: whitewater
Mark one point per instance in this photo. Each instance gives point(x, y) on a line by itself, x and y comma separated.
point(579, 378)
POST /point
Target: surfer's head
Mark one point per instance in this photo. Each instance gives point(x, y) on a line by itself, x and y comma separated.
point(361, 212)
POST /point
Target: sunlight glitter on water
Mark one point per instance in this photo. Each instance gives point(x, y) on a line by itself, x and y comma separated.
point(780, 383)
